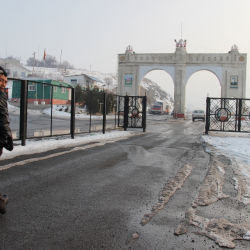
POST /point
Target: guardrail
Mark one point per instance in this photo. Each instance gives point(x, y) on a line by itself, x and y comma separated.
point(32, 112)
point(228, 115)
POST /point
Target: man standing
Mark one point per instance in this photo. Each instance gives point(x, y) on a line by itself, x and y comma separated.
point(6, 140)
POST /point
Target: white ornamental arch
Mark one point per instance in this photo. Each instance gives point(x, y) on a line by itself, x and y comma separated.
point(180, 65)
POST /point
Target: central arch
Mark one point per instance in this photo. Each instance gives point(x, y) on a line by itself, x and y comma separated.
point(180, 65)
point(206, 83)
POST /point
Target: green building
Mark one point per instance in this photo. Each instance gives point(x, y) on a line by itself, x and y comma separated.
point(40, 91)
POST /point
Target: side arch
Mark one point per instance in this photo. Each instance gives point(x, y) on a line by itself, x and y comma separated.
point(217, 71)
point(143, 70)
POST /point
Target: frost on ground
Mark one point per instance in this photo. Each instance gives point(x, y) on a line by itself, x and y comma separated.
point(221, 230)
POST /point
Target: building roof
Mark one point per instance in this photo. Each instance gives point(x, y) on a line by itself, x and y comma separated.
point(63, 84)
point(34, 78)
point(49, 81)
point(91, 77)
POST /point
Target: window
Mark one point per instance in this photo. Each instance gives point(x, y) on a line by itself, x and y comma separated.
point(55, 89)
point(63, 90)
point(73, 81)
point(23, 74)
point(31, 87)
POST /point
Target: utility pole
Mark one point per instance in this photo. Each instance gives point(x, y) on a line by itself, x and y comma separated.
point(61, 57)
point(33, 62)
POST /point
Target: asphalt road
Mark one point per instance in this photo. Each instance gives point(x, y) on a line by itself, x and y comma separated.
point(60, 125)
point(100, 197)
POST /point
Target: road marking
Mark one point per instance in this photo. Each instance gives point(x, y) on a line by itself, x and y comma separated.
point(167, 192)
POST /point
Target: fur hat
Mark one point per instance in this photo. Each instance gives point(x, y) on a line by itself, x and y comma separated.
point(3, 72)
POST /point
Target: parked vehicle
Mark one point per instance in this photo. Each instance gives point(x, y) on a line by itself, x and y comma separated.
point(150, 110)
point(198, 114)
point(160, 108)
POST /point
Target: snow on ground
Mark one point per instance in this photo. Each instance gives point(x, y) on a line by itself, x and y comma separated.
point(43, 145)
point(235, 146)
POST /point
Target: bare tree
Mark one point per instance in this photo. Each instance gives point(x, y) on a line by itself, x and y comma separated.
point(50, 61)
point(108, 81)
point(13, 58)
point(29, 62)
point(66, 65)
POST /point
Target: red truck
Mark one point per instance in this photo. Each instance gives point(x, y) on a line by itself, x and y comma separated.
point(160, 108)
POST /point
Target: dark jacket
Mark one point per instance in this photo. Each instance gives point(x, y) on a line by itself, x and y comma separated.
point(6, 140)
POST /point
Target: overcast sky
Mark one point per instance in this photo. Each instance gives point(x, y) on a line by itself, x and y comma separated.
point(93, 32)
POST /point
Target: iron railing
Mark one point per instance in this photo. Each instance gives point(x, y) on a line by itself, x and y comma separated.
point(132, 112)
point(227, 115)
point(48, 115)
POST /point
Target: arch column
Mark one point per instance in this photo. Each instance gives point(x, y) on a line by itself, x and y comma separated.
point(179, 90)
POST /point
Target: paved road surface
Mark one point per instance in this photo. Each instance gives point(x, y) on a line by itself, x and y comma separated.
point(99, 197)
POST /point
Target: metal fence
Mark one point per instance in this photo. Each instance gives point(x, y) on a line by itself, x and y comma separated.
point(132, 112)
point(228, 115)
point(39, 109)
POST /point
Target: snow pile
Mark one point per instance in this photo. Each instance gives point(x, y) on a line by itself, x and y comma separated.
point(235, 148)
point(43, 145)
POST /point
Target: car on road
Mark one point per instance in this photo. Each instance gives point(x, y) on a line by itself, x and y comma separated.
point(198, 114)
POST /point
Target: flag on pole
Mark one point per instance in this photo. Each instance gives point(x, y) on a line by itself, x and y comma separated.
point(44, 55)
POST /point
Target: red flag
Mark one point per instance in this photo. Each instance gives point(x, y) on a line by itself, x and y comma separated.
point(44, 55)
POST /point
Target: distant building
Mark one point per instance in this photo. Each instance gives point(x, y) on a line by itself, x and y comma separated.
point(85, 81)
point(38, 92)
point(14, 68)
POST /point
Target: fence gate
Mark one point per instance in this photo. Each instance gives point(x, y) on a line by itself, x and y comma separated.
point(228, 114)
point(132, 112)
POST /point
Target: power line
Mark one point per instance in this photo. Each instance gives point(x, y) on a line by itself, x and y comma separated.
point(97, 61)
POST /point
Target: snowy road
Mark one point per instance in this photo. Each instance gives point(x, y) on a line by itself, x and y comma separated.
point(118, 191)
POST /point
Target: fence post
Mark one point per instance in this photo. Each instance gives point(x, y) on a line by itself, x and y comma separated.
point(51, 109)
point(144, 112)
point(104, 114)
point(90, 101)
point(126, 112)
point(72, 120)
point(207, 115)
point(239, 117)
point(23, 112)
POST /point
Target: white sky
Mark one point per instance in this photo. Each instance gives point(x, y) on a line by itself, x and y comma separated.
point(93, 32)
